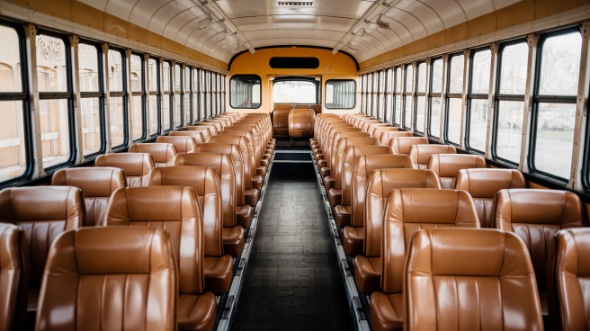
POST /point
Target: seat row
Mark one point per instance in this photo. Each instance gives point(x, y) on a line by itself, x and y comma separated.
point(492, 196)
point(210, 172)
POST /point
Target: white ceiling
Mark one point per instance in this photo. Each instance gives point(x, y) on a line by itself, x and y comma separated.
point(349, 25)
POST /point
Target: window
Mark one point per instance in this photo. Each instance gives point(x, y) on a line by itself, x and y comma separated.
point(177, 115)
point(53, 75)
point(91, 99)
point(138, 95)
point(202, 95)
point(245, 92)
point(207, 93)
point(340, 94)
point(420, 97)
point(397, 112)
point(118, 103)
point(477, 107)
point(435, 98)
point(388, 107)
point(196, 96)
point(554, 109)
point(166, 98)
point(408, 90)
point(223, 95)
point(512, 74)
point(295, 90)
point(213, 94)
point(15, 149)
point(381, 94)
point(370, 99)
point(154, 119)
point(454, 99)
point(187, 95)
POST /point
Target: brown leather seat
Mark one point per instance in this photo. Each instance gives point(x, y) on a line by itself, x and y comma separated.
point(182, 144)
point(97, 185)
point(212, 127)
point(259, 165)
point(447, 166)
point(233, 234)
point(250, 194)
point(210, 122)
point(381, 129)
point(571, 277)
point(162, 153)
point(420, 154)
point(43, 213)
point(342, 212)
point(483, 184)
point(280, 122)
point(177, 210)
point(333, 183)
point(13, 275)
point(367, 266)
point(331, 157)
point(330, 146)
point(137, 166)
point(116, 277)
point(494, 291)
point(535, 215)
point(407, 211)
point(301, 123)
point(205, 181)
point(200, 136)
point(402, 145)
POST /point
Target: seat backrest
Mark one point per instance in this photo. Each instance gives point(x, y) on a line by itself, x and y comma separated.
point(137, 166)
point(572, 277)
point(447, 166)
point(409, 210)
point(173, 208)
point(227, 180)
point(380, 129)
point(280, 121)
point(114, 277)
point(387, 136)
point(200, 136)
point(381, 183)
point(43, 213)
point(362, 167)
point(206, 131)
point(337, 168)
point(402, 145)
point(535, 215)
point(336, 139)
point(162, 153)
point(374, 126)
point(301, 122)
point(232, 150)
point(421, 153)
point(215, 128)
point(495, 290)
point(182, 144)
point(205, 182)
point(244, 146)
point(483, 184)
point(347, 165)
point(12, 277)
point(97, 185)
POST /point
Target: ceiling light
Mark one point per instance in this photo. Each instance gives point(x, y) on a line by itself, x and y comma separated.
point(382, 24)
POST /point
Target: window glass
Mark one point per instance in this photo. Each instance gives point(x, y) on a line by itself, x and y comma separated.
point(421, 97)
point(398, 98)
point(117, 103)
point(295, 91)
point(421, 87)
point(456, 74)
point(153, 97)
point(115, 70)
point(90, 103)
point(480, 75)
point(55, 131)
point(166, 96)
point(388, 95)
point(117, 121)
point(340, 94)
point(435, 98)
point(560, 64)
point(454, 103)
point(509, 130)
point(409, 87)
point(454, 120)
point(137, 88)
point(51, 64)
point(196, 94)
point(555, 138)
point(478, 121)
point(13, 160)
point(177, 99)
point(186, 88)
point(513, 66)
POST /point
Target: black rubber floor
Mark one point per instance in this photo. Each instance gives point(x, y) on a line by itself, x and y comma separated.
point(292, 280)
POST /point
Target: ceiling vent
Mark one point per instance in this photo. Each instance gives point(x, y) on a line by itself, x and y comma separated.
point(382, 24)
point(295, 3)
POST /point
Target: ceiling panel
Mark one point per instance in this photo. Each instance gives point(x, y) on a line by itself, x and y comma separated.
point(326, 23)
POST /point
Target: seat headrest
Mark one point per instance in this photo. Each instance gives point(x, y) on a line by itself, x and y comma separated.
point(444, 251)
point(204, 180)
point(199, 136)
point(402, 145)
point(486, 182)
point(113, 250)
point(383, 181)
point(433, 206)
point(448, 165)
point(421, 153)
point(93, 181)
point(151, 204)
point(182, 144)
point(160, 152)
point(42, 203)
point(230, 149)
point(134, 164)
point(218, 161)
point(368, 163)
point(351, 152)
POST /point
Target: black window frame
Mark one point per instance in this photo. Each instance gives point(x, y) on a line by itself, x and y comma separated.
point(473, 96)
point(124, 95)
point(340, 80)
